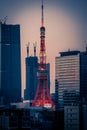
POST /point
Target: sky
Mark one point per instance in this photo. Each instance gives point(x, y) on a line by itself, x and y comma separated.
point(65, 23)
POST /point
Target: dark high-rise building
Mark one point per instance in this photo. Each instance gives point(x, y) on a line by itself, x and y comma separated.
point(71, 77)
point(31, 77)
point(10, 63)
point(83, 75)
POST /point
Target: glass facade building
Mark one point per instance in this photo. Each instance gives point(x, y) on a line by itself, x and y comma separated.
point(71, 78)
point(10, 63)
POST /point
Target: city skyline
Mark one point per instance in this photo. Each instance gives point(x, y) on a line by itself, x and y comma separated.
point(65, 26)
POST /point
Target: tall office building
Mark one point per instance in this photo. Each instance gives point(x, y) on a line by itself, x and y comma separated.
point(71, 77)
point(10, 63)
point(31, 77)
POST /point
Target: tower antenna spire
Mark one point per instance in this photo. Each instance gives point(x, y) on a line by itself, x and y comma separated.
point(42, 7)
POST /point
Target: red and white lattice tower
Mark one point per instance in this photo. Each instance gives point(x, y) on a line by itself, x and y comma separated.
point(42, 97)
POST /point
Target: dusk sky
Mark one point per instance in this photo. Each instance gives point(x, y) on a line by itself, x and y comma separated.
point(65, 22)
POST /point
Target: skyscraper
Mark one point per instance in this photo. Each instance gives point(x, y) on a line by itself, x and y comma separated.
point(31, 77)
point(71, 77)
point(10, 63)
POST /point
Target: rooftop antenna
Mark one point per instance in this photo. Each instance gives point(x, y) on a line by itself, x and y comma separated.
point(27, 46)
point(35, 44)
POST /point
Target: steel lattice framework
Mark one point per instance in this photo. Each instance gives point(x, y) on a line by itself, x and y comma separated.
point(42, 97)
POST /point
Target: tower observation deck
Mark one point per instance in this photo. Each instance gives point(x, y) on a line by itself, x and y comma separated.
point(42, 97)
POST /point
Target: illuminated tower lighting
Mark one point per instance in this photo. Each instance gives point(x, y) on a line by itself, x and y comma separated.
point(42, 97)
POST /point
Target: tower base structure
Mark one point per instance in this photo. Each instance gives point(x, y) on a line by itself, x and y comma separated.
point(42, 97)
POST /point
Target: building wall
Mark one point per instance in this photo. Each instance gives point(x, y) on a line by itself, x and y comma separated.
point(0, 57)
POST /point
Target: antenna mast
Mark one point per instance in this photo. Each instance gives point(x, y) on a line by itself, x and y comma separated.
point(28, 49)
point(35, 44)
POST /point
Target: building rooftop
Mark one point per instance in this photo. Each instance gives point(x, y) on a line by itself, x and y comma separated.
point(74, 52)
point(69, 53)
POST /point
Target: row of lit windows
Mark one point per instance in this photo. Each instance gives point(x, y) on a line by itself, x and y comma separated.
point(68, 84)
point(67, 65)
point(68, 80)
point(61, 92)
point(67, 68)
point(69, 73)
point(67, 59)
point(72, 64)
point(67, 76)
point(71, 92)
point(69, 88)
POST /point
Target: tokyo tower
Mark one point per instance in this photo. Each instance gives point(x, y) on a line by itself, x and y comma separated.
point(42, 97)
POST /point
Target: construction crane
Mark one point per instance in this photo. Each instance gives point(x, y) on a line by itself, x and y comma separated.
point(3, 21)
